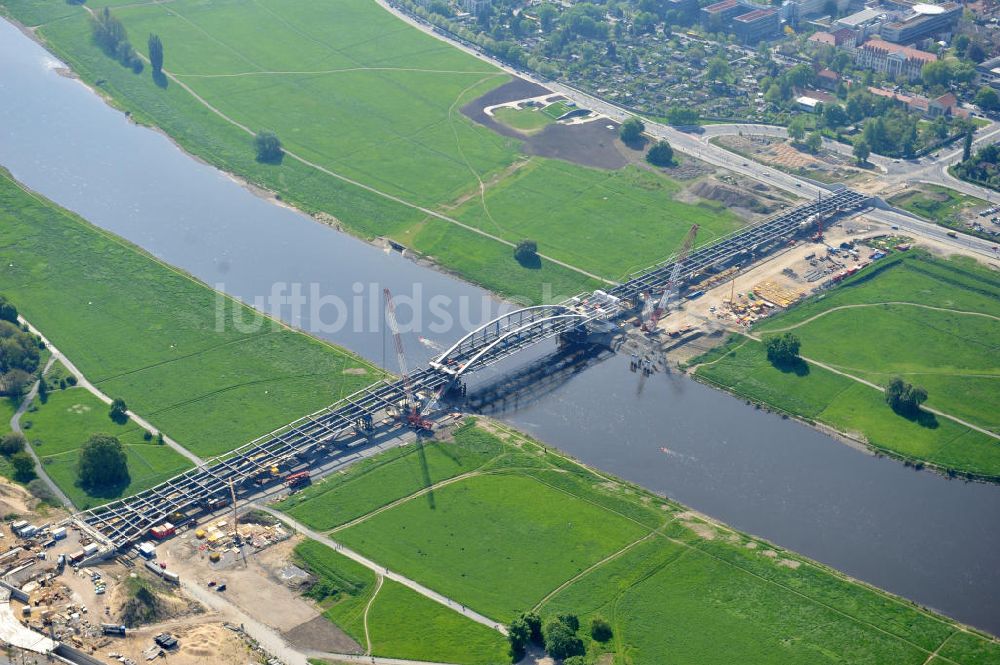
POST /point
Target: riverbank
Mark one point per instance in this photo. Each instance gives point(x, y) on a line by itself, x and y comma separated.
point(912, 315)
point(685, 579)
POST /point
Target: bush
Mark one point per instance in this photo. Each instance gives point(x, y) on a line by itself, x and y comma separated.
point(561, 640)
point(661, 154)
point(71, 380)
point(24, 467)
point(147, 435)
point(7, 310)
point(575, 660)
point(40, 490)
point(15, 382)
point(119, 411)
point(525, 629)
point(12, 443)
point(600, 629)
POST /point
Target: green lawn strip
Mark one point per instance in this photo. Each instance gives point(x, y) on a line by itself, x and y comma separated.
point(61, 425)
point(343, 587)
point(527, 120)
point(556, 110)
point(853, 408)
point(486, 542)
point(610, 222)
point(146, 332)
point(375, 482)
point(971, 648)
point(404, 624)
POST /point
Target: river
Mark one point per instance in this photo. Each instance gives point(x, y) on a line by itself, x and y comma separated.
point(915, 533)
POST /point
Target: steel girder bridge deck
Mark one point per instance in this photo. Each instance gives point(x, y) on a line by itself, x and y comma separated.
point(207, 486)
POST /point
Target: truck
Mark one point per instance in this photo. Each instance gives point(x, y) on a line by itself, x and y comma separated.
point(297, 479)
point(113, 629)
point(163, 531)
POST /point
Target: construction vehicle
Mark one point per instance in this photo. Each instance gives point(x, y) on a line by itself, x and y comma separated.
point(670, 292)
point(410, 409)
point(297, 479)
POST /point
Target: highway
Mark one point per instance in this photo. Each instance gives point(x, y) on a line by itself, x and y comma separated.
point(693, 144)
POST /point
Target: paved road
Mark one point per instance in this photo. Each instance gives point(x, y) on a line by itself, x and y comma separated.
point(692, 144)
point(382, 570)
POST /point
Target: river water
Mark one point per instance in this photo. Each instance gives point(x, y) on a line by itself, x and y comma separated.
point(917, 534)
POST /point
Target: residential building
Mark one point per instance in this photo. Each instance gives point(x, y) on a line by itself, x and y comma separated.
point(892, 59)
point(946, 105)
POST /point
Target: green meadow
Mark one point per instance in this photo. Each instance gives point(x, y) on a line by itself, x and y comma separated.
point(63, 423)
point(939, 204)
point(143, 331)
point(534, 530)
point(933, 322)
point(527, 120)
point(360, 94)
point(401, 623)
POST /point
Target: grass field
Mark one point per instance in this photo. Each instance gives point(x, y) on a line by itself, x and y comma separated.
point(675, 588)
point(857, 329)
point(528, 120)
point(934, 202)
point(614, 222)
point(359, 93)
point(143, 331)
point(401, 623)
point(61, 425)
point(557, 109)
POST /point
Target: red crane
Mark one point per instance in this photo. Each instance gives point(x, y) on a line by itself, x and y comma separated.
point(671, 290)
point(410, 413)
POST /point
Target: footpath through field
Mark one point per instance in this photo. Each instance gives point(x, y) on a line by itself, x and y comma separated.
point(831, 368)
point(383, 571)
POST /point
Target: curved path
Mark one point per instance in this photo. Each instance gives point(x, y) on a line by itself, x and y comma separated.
point(371, 601)
point(382, 570)
point(877, 304)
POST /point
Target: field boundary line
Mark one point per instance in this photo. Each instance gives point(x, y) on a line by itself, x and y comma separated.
point(371, 601)
point(583, 573)
point(937, 412)
point(357, 557)
point(934, 654)
point(878, 304)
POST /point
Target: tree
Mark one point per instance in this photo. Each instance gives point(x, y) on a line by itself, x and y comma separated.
point(24, 467)
point(561, 640)
point(600, 629)
point(7, 311)
point(631, 131)
point(975, 52)
point(834, 116)
point(987, 99)
point(904, 398)
point(524, 629)
point(155, 54)
point(547, 14)
point(526, 252)
point(15, 382)
point(119, 410)
point(718, 70)
point(12, 443)
point(967, 146)
point(660, 154)
point(677, 115)
point(814, 142)
point(797, 128)
point(782, 349)
point(103, 464)
point(936, 72)
point(268, 147)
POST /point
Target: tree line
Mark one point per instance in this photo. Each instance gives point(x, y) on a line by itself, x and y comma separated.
point(558, 635)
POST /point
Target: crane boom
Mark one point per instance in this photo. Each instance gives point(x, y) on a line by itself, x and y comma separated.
point(671, 290)
point(411, 411)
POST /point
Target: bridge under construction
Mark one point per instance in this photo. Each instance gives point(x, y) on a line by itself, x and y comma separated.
point(313, 438)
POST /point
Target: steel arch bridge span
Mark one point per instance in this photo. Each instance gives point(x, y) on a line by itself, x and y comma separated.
point(506, 335)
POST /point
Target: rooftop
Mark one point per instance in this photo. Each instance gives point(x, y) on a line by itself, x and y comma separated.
point(864, 16)
point(720, 6)
point(905, 51)
point(756, 14)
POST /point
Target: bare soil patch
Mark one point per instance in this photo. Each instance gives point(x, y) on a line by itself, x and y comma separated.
point(320, 635)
